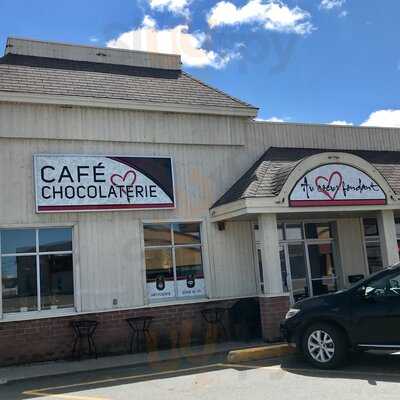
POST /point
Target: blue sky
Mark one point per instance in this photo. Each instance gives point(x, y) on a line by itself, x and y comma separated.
point(312, 61)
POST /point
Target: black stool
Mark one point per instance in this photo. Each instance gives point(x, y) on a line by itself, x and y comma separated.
point(139, 331)
point(214, 316)
point(84, 329)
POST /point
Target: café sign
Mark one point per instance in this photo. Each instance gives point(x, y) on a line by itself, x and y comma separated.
point(87, 183)
point(335, 185)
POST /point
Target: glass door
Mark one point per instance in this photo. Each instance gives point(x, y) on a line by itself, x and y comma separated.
point(308, 253)
point(307, 256)
point(322, 268)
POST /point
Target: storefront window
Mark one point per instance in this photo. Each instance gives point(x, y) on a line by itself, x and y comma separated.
point(318, 230)
point(174, 262)
point(36, 269)
point(281, 232)
point(372, 245)
point(293, 231)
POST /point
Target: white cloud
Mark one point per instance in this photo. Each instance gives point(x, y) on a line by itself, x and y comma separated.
point(176, 40)
point(343, 14)
point(149, 22)
point(331, 4)
point(384, 118)
point(274, 15)
point(341, 122)
point(175, 6)
point(272, 119)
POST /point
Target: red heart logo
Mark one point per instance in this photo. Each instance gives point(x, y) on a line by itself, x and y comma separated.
point(328, 183)
point(119, 180)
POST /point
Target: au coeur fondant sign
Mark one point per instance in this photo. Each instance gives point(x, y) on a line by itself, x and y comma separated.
point(336, 184)
point(87, 183)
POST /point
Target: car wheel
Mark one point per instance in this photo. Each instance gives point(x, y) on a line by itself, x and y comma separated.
point(324, 345)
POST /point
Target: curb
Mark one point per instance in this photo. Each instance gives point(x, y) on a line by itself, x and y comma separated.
point(259, 353)
point(58, 368)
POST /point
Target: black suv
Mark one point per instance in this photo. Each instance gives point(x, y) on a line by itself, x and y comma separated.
point(365, 316)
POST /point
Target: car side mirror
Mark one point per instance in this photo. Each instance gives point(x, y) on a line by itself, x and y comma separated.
point(366, 292)
point(369, 292)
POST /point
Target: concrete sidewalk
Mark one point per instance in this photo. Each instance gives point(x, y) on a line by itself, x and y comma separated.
point(36, 370)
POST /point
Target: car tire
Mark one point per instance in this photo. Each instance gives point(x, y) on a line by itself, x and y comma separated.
point(325, 346)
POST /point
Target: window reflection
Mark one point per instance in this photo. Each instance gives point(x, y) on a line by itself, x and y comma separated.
point(56, 281)
point(18, 241)
point(186, 233)
point(188, 262)
point(19, 283)
point(260, 269)
point(321, 260)
point(324, 286)
point(370, 227)
point(55, 239)
point(157, 234)
point(374, 256)
point(318, 231)
point(298, 271)
point(285, 285)
point(372, 245)
point(159, 263)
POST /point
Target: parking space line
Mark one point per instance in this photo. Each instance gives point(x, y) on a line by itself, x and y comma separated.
point(319, 371)
point(249, 366)
point(39, 392)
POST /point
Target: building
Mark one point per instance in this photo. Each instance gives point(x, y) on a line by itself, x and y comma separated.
point(130, 188)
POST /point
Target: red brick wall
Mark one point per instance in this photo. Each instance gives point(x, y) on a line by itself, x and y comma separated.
point(52, 338)
point(273, 310)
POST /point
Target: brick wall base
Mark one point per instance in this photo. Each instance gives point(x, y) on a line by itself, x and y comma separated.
point(52, 338)
point(272, 310)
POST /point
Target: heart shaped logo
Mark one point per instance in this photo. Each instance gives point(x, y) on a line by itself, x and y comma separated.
point(126, 180)
point(329, 186)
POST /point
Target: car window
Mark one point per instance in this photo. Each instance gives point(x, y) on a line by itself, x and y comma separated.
point(388, 285)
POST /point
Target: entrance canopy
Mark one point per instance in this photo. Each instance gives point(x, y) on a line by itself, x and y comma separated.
point(292, 180)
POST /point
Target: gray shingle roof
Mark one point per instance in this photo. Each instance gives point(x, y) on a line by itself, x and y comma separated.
point(40, 75)
point(268, 174)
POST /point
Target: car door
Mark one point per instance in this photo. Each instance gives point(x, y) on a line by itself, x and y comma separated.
point(376, 311)
point(392, 334)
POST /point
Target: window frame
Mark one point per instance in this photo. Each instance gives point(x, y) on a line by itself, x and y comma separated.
point(204, 257)
point(34, 314)
point(305, 241)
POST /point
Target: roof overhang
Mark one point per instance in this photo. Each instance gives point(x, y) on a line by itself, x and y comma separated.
point(34, 98)
point(268, 206)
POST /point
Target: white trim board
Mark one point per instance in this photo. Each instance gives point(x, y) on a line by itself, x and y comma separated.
point(35, 98)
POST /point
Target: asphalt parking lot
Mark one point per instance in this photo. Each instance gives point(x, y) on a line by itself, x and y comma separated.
point(367, 376)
